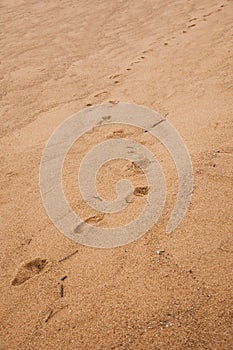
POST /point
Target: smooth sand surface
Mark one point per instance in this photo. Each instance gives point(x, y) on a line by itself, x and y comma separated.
point(162, 292)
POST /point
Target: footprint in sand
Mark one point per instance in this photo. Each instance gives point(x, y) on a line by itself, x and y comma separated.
point(193, 19)
point(141, 191)
point(192, 25)
point(91, 220)
point(114, 76)
point(29, 270)
point(100, 93)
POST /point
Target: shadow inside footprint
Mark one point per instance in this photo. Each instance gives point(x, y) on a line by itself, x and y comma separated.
point(141, 191)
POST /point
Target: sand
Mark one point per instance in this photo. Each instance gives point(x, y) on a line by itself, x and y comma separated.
point(163, 291)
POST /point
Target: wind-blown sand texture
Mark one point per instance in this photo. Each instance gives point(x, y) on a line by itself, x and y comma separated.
point(161, 292)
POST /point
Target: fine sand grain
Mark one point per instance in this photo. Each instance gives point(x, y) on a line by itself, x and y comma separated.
point(162, 292)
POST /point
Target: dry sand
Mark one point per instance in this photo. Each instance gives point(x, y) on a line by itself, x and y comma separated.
point(176, 58)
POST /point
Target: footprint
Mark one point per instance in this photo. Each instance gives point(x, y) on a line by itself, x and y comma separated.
point(133, 169)
point(193, 19)
point(192, 25)
point(91, 220)
point(208, 14)
point(117, 134)
point(11, 174)
point(141, 191)
point(148, 50)
point(114, 76)
point(29, 270)
point(138, 61)
point(94, 219)
point(100, 93)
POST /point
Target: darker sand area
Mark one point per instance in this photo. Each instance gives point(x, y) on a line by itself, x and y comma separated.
point(175, 57)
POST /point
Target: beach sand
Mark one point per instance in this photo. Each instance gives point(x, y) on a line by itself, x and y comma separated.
point(161, 292)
